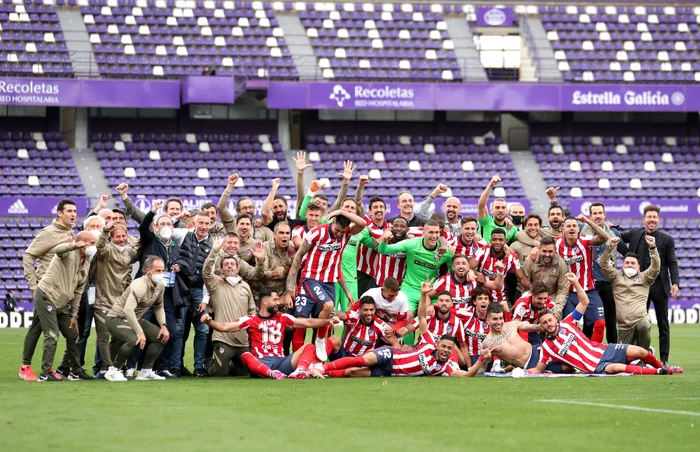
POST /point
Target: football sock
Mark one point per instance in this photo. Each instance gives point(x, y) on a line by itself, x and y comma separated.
point(653, 360)
point(640, 370)
point(308, 355)
point(298, 339)
point(322, 332)
point(336, 373)
point(345, 363)
point(255, 366)
point(598, 331)
point(329, 346)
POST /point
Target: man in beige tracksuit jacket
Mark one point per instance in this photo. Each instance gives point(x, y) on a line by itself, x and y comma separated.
point(127, 326)
point(41, 250)
point(230, 300)
point(631, 291)
point(115, 257)
point(61, 286)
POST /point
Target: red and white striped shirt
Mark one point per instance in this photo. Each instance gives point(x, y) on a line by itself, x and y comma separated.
point(300, 231)
point(322, 262)
point(361, 338)
point(475, 329)
point(265, 334)
point(579, 258)
point(523, 312)
point(438, 327)
point(387, 265)
point(420, 360)
point(366, 256)
point(468, 250)
point(570, 346)
point(461, 292)
point(486, 262)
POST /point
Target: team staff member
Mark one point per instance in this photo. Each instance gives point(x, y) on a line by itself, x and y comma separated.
point(497, 219)
point(453, 209)
point(128, 327)
point(550, 269)
point(532, 226)
point(667, 283)
point(41, 250)
point(63, 285)
point(244, 206)
point(113, 272)
point(631, 290)
point(602, 284)
point(230, 300)
point(405, 205)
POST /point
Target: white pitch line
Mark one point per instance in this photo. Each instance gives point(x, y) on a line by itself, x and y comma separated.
point(644, 398)
point(623, 407)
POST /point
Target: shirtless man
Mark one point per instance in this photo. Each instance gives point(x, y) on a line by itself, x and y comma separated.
point(506, 344)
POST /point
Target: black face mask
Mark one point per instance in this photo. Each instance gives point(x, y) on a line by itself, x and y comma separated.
point(517, 219)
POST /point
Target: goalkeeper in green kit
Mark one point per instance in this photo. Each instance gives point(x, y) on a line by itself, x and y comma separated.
point(424, 256)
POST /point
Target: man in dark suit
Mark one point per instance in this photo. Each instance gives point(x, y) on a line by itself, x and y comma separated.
point(666, 283)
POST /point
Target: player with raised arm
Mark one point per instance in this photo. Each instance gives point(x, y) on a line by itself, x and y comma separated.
point(265, 332)
point(461, 282)
point(424, 255)
point(319, 260)
point(577, 252)
point(564, 342)
point(428, 358)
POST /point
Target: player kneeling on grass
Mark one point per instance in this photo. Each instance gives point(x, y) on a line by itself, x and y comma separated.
point(129, 330)
point(363, 329)
point(565, 343)
point(426, 359)
point(265, 333)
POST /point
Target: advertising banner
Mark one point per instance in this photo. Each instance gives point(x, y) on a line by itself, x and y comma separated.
point(30, 206)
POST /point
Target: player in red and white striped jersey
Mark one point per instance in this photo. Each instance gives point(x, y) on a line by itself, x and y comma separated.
point(314, 211)
point(461, 282)
point(466, 243)
point(474, 321)
point(363, 330)
point(265, 333)
point(486, 262)
point(428, 358)
point(565, 343)
point(577, 252)
point(367, 257)
point(443, 322)
point(392, 265)
point(320, 253)
point(527, 308)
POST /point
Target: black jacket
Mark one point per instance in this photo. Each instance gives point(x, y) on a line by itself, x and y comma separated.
point(193, 253)
point(667, 253)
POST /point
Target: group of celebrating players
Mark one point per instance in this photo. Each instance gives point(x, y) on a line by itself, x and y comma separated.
point(492, 293)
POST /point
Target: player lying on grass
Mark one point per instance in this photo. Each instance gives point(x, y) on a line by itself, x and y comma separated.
point(265, 332)
point(505, 342)
point(564, 342)
point(428, 358)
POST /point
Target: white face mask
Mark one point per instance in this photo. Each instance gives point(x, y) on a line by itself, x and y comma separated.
point(166, 232)
point(90, 251)
point(158, 278)
point(120, 248)
point(233, 280)
point(629, 272)
point(96, 233)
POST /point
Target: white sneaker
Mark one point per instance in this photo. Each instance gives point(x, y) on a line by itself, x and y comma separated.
point(114, 374)
point(321, 349)
point(130, 373)
point(497, 368)
point(145, 375)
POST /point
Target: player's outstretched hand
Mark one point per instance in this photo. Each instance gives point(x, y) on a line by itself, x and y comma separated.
point(232, 179)
point(364, 180)
point(427, 286)
point(300, 162)
point(156, 205)
point(615, 240)
point(495, 180)
point(571, 278)
point(651, 240)
point(259, 251)
point(122, 189)
point(217, 243)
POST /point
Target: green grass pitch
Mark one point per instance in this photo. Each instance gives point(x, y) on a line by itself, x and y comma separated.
point(377, 414)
